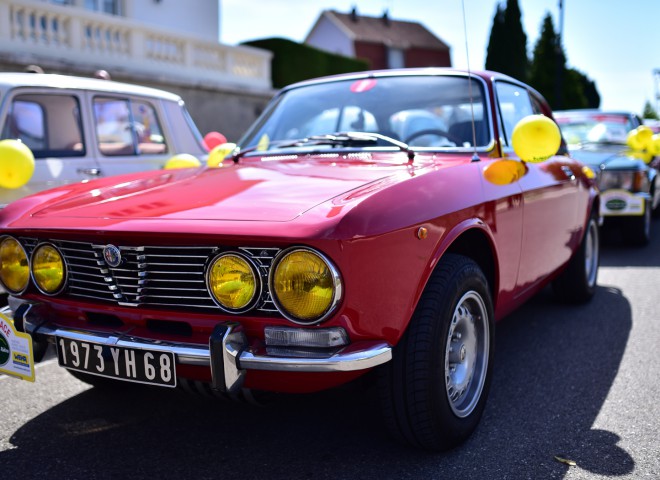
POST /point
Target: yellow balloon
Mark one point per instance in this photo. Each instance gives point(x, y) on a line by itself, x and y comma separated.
point(16, 163)
point(654, 145)
point(182, 160)
point(536, 138)
point(640, 138)
point(504, 172)
point(219, 153)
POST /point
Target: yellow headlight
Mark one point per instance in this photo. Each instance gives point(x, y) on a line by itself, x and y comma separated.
point(232, 281)
point(304, 286)
point(48, 269)
point(14, 267)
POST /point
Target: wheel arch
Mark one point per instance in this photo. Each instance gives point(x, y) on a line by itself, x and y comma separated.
point(477, 245)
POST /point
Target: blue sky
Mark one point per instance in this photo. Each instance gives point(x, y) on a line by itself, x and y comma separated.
point(616, 43)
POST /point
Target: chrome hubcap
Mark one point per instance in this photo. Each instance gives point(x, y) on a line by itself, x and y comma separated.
point(466, 354)
point(591, 252)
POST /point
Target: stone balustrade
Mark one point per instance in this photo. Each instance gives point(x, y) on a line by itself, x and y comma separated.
point(69, 35)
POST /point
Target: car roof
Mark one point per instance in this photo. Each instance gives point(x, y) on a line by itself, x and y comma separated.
point(49, 80)
point(398, 72)
point(593, 111)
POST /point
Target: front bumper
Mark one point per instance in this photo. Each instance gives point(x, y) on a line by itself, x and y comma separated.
point(619, 202)
point(227, 354)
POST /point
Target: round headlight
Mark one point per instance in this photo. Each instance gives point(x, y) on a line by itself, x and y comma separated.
point(233, 282)
point(305, 286)
point(48, 269)
point(14, 265)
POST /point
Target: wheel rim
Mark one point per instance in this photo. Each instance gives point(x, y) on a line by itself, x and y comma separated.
point(591, 252)
point(466, 354)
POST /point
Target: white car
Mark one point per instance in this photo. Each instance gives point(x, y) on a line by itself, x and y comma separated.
point(79, 129)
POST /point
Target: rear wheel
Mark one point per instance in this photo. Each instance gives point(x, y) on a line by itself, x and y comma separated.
point(434, 390)
point(577, 283)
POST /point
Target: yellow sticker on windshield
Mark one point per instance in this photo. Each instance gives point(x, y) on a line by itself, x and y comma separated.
point(264, 143)
point(16, 357)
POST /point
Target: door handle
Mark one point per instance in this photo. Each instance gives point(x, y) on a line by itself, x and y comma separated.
point(94, 172)
point(568, 172)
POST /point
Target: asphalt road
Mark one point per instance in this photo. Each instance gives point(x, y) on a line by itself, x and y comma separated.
point(580, 382)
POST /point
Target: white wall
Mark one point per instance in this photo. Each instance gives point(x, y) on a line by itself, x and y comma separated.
point(199, 18)
point(329, 37)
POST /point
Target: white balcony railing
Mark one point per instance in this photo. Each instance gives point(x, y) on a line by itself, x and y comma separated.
point(76, 36)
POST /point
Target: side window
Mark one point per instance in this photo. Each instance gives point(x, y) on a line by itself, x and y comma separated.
point(515, 104)
point(113, 126)
point(147, 127)
point(127, 127)
point(49, 124)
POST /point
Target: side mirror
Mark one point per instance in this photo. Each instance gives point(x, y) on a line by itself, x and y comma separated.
point(536, 138)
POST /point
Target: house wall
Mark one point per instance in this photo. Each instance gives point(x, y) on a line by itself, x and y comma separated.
point(199, 18)
point(420, 57)
point(374, 53)
point(331, 38)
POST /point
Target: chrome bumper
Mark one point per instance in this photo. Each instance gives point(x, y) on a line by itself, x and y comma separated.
point(227, 354)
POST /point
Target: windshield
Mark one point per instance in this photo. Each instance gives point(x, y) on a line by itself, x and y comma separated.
point(422, 111)
point(594, 128)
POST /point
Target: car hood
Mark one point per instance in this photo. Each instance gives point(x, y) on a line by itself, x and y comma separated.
point(605, 157)
point(275, 190)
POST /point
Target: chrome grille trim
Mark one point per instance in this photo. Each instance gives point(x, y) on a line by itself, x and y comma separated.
point(156, 276)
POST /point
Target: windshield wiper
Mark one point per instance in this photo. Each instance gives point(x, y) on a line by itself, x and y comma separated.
point(340, 138)
point(348, 138)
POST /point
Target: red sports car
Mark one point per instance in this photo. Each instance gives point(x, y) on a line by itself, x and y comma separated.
point(377, 222)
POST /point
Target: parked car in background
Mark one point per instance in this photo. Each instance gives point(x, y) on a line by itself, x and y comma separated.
point(630, 193)
point(375, 222)
point(80, 129)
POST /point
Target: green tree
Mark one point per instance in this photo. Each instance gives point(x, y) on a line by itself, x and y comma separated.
point(547, 56)
point(507, 45)
point(649, 112)
point(563, 87)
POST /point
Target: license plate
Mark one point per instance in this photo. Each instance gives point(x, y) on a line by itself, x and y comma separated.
point(121, 363)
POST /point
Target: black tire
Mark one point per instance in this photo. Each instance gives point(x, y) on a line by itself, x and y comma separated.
point(636, 231)
point(455, 311)
point(577, 283)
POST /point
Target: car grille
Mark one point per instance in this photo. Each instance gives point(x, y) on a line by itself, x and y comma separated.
point(155, 276)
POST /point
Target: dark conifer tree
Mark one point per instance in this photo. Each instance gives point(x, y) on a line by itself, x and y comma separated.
point(562, 87)
point(507, 46)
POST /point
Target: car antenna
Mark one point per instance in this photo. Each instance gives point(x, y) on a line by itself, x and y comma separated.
point(475, 156)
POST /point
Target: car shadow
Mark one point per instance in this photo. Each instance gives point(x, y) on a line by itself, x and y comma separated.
point(615, 253)
point(554, 366)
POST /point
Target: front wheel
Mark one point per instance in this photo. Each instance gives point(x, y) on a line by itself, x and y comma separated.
point(577, 283)
point(434, 390)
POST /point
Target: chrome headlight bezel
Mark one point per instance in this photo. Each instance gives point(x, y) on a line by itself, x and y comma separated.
point(336, 283)
point(257, 280)
point(29, 268)
point(65, 269)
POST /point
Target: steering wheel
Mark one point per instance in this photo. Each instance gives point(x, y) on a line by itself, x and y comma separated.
point(434, 131)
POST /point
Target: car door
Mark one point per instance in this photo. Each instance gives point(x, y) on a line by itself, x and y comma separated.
point(49, 122)
point(549, 195)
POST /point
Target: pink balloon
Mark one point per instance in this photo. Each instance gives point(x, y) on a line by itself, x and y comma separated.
point(213, 139)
